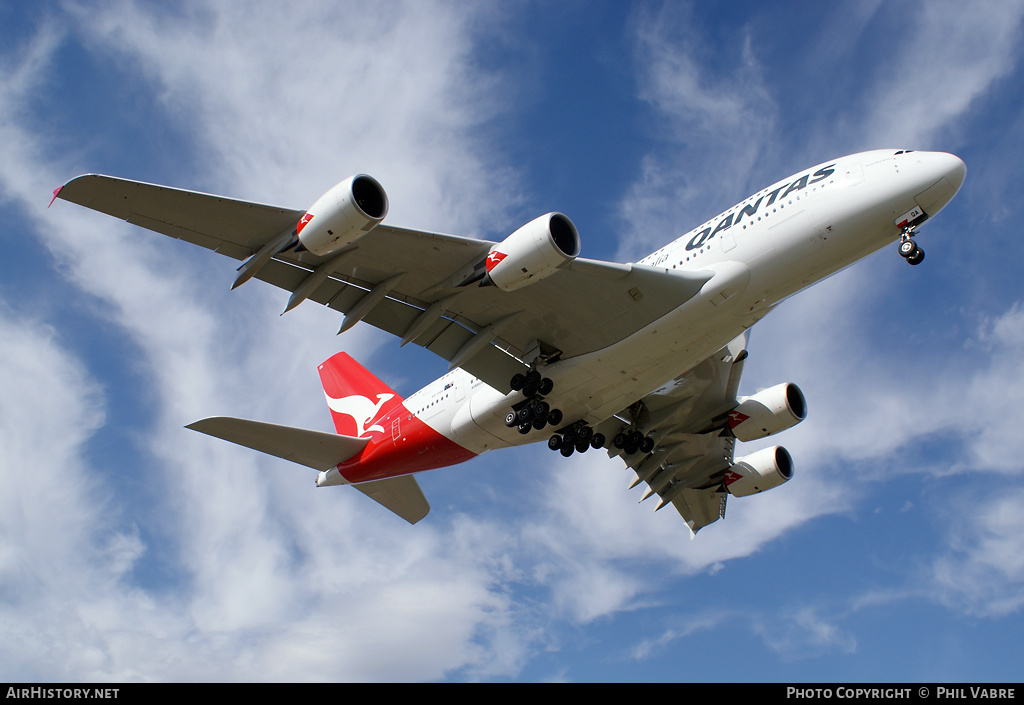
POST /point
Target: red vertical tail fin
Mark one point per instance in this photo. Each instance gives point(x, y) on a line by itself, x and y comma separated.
point(356, 397)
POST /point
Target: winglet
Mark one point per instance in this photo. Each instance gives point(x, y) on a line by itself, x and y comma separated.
point(55, 192)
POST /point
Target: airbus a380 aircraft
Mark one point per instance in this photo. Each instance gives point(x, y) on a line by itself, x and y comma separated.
point(642, 359)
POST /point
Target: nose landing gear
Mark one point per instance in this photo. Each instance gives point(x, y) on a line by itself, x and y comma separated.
point(909, 249)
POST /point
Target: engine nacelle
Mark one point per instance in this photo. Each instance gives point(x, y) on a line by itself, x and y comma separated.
point(759, 471)
point(768, 412)
point(533, 252)
point(342, 215)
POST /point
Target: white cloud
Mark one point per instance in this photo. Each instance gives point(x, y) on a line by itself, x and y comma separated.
point(953, 56)
point(285, 101)
point(273, 578)
point(712, 128)
point(982, 572)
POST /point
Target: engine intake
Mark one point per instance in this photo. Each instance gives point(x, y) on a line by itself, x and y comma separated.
point(342, 215)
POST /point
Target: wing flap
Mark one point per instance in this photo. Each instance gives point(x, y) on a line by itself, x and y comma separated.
point(314, 449)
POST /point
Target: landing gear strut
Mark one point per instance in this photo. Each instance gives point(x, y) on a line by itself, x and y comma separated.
point(909, 249)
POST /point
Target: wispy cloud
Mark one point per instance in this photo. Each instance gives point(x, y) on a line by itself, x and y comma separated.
point(262, 566)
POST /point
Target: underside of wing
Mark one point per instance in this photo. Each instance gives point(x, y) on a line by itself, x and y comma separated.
point(423, 287)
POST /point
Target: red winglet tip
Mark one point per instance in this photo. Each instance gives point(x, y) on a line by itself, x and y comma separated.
point(55, 192)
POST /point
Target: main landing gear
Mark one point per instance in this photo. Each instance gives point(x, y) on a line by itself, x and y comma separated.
point(580, 437)
point(577, 438)
point(533, 413)
point(631, 441)
point(909, 249)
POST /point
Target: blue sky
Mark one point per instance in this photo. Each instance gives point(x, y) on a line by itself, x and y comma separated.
point(132, 549)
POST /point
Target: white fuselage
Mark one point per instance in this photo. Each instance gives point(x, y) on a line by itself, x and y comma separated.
point(766, 248)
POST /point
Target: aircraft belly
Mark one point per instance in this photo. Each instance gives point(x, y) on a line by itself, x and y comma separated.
point(474, 424)
point(629, 370)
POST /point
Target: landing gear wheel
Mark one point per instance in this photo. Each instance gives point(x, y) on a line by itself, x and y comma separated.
point(517, 383)
point(567, 449)
point(917, 257)
point(555, 442)
point(582, 445)
point(539, 423)
point(545, 387)
point(908, 248)
point(511, 419)
point(555, 417)
point(597, 441)
point(525, 428)
point(647, 445)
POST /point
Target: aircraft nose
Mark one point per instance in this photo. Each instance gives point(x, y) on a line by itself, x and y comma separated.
point(957, 170)
point(942, 176)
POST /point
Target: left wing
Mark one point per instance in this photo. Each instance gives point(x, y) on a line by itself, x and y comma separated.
point(686, 433)
point(408, 282)
point(688, 419)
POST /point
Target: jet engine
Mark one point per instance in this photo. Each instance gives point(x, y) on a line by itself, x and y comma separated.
point(342, 215)
point(759, 471)
point(768, 412)
point(533, 252)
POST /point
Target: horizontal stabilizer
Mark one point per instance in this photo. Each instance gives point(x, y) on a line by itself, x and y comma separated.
point(402, 495)
point(314, 449)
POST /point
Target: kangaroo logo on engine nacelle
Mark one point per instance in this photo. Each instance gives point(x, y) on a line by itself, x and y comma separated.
point(361, 409)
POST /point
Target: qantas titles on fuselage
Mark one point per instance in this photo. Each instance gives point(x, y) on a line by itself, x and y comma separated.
point(750, 209)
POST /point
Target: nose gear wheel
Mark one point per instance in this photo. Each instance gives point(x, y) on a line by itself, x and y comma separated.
point(909, 249)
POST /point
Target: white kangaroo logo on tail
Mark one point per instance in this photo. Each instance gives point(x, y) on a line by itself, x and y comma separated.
point(360, 408)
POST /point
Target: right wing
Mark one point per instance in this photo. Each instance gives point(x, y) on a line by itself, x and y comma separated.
point(406, 281)
point(688, 419)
